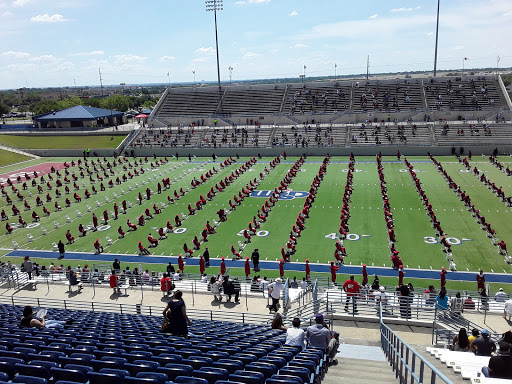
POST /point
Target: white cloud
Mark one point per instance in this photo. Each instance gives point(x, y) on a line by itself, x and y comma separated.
point(404, 9)
point(508, 14)
point(129, 59)
point(20, 3)
point(251, 55)
point(46, 18)
point(92, 53)
point(66, 66)
point(294, 13)
point(299, 45)
point(43, 59)
point(459, 47)
point(374, 16)
point(200, 60)
point(430, 33)
point(6, 14)
point(206, 50)
point(22, 68)
point(165, 59)
point(16, 55)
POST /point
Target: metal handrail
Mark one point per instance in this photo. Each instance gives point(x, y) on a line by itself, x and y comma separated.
point(408, 365)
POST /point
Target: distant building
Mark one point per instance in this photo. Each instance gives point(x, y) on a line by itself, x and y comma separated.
point(80, 116)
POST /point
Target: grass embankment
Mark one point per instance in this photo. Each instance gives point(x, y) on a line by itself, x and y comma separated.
point(61, 142)
point(8, 157)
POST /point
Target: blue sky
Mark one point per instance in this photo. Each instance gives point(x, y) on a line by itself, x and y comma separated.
point(60, 42)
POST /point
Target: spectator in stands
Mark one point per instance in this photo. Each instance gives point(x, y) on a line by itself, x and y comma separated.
point(275, 293)
point(116, 265)
point(229, 289)
point(430, 295)
point(507, 310)
point(507, 338)
point(501, 296)
point(320, 337)
point(73, 280)
point(381, 297)
point(166, 284)
point(460, 341)
point(295, 336)
point(484, 299)
point(457, 304)
point(442, 299)
point(474, 334)
point(28, 320)
point(483, 345)
point(27, 266)
point(176, 314)
point(170, 268)
point(303, 284)
point(114, 281)
point(469, 303)
point(277, 323)
point(215, 289)
point(500, 365)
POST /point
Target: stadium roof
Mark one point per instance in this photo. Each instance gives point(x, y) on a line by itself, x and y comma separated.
point(79, 113)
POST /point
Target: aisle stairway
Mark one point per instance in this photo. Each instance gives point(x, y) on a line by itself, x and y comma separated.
point(360, 364)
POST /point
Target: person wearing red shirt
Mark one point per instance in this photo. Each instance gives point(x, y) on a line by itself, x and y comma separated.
point(365, 275)
point(114, 281)
point(166, 284)
point(443, 277)
point(480, 281)
point(281, 268)
point(351, 287)
point(247, 267)
point(121, 232)
point(98, 246)
point(308, 270)
point(222, 267)
point(105, 216)
point(334, 268)
point(152, 241)
point(94, 221)
point(401, 274)
point(181, 264)
point(201, 265)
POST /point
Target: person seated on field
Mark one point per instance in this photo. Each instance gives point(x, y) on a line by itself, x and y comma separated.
point(35, 216)
point(131, 227)
point(98, 247)
point(22, 222)
point(142, 249)
point(69, 237)
point(153, 242)
point(121, 232)
point(161, 234)
point(8, 228)
point(82, 230)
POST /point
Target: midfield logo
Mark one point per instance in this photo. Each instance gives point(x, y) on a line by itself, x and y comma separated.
point(286, 195)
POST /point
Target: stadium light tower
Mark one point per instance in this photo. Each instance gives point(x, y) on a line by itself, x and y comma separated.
point(437, 36)
point(215, 5)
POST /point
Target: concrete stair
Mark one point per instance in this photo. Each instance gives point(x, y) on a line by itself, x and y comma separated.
point(360, 372)
point(360, 362)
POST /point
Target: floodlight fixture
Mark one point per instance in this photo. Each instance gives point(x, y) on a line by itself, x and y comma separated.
point(215, 5)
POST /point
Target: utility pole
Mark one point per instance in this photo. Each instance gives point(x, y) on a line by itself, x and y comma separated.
point(215, 5)
point(368, 67)
point(101, 81)
point(437, 38)
point(230, 73)
point(497, 64)
point(335, 66)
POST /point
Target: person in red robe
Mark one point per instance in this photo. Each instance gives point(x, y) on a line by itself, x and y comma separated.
point(365, 275)
point(247, 267)
point(94, 221)
point(281, 268)
point(401, 274)
point(480, 281)
point(201, 265)
point(308, 270)
point(121, 232)
point(443, 277)
point(334, 268)
point(116, 211)
point(181, 263)
point(222, 267)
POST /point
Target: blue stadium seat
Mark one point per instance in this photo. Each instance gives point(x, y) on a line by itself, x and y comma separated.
point(29, 380)
point(246, 379)
point(301, 372)
point(211, 374)
point(122, 373)
point(287, 355)
point(260, 352)
point(99, 364)
point(140, 380)
point(153, 364)
point(230, 365)
point(188, 352)
point(139, 355)
point(4, 377)
point(174, 370)
point(40, 357)
point(82, 368)
point(266, 368)
point(309, 364)
point(33, 370)
point(245, 358)
point(72, 360)
point(12, 360)
point(115, 359)
point(43, 363)
point(136, 368)
point(13, 354)
point(84, 356)
point(216, 355)
point(190, 380)
point(287, 378)
point(174, 356)
point(198, 361)
point(279, 362)
point(160, 377)
point(104, 378)
point(8, 369)
point(68, 375)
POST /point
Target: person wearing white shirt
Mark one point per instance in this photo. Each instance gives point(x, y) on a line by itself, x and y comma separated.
point(304, 283)
point(295, 336)
point(264, 285)
point(501, 296)
point(275, 293)
point(507, 311)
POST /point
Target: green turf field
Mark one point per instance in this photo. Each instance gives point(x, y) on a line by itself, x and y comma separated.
point(8, 157)
point(366, 243)
point(61, 142)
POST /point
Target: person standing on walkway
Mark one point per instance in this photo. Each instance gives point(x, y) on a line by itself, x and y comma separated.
point(201, 265)
point(365, 275)
point(351, 287)
point(28, 266)
point(256, 259)
point(222, 267)
point(308, 270)
point(275, 293)
point(443, 277)
point(281, 268)
point(247, 267)
point(334, 269)
point(480, 281)
point(60, 246)
point(206, 255)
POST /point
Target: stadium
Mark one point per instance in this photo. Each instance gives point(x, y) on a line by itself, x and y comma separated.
point(276, 193)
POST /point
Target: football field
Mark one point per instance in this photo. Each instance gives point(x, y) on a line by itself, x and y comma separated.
point(366, 242)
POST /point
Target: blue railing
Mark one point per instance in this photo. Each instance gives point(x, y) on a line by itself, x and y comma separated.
point(408, 365)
